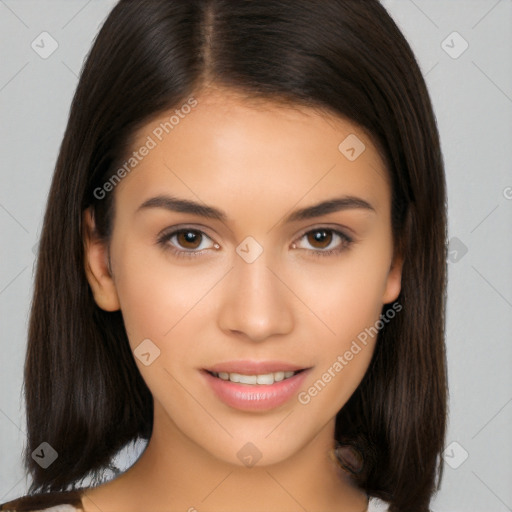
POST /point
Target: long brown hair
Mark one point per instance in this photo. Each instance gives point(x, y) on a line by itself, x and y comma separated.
point(84, 394)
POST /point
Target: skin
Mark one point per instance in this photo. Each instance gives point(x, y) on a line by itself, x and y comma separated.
point(257, 162)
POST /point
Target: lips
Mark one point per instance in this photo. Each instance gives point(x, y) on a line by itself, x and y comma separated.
point(252, 396)
point(247, 367)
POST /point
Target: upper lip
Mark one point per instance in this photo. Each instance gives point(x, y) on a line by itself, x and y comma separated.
point(254, 367)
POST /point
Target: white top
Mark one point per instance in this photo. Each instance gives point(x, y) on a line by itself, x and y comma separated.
point(58, 508)
point(375, 505)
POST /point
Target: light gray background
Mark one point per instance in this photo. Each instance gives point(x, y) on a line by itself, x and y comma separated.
point(472, 96)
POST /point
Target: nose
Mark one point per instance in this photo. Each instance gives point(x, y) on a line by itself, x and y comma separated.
point(255, 302)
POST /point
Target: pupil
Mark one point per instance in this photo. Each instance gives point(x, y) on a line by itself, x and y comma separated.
point(321, 236)
point(189, 238)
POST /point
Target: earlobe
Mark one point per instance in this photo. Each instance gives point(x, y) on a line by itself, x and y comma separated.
point(97, 266)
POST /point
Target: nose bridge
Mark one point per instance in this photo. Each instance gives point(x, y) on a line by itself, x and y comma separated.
point(255, 302)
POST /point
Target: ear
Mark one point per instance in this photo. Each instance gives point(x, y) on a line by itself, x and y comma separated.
point(393, 280)
point(97, 267)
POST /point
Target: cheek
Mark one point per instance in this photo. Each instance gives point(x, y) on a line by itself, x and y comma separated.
point(343, 355)
point(348, 301)
point(155, 293)
point(159, 302)
point(346, 298)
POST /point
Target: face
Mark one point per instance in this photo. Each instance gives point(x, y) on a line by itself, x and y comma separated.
point(256, 283)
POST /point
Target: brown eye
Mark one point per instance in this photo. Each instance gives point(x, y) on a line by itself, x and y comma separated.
point(320, 238)
point(324, 242)
point(187, 242)
point(188, 238)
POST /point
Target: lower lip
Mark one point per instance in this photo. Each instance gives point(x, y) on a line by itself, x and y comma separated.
point(257, 397)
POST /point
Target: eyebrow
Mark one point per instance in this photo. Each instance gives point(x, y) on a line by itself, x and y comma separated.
point(187, 206)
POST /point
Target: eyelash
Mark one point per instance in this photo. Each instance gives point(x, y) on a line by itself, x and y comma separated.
point(165, 238)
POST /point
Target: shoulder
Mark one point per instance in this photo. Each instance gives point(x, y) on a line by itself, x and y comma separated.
point(65, 501)
point(377, 505)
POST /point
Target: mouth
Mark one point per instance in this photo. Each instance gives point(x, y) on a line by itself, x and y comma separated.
point(263, 379)
point(255, 386)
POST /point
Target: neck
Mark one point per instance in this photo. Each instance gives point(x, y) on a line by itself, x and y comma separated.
point(174, 473)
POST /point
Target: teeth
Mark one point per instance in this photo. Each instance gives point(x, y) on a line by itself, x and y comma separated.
point(266, 379)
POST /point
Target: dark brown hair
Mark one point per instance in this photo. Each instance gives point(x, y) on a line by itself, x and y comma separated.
point(84, 394)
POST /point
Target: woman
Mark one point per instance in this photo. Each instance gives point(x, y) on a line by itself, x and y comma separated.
point(243, 262)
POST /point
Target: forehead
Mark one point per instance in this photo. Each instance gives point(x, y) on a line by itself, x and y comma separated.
point(222, 144)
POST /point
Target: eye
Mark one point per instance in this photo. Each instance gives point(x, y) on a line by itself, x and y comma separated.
point(190, 242)
point(326, 241)
point(186, 242)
